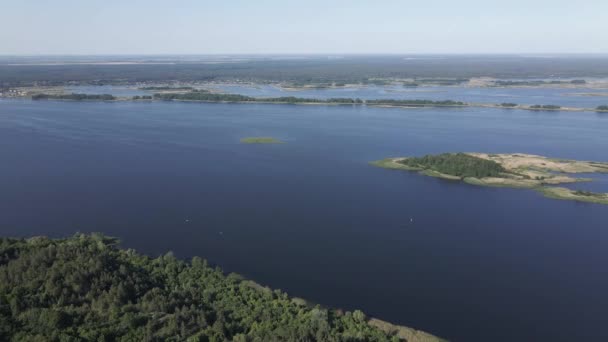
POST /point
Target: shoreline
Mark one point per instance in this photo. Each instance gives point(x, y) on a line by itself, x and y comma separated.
point(378, 105)
point(156, 276)
point(522, 171)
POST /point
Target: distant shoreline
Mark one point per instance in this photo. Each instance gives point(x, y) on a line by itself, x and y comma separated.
point(336, 103)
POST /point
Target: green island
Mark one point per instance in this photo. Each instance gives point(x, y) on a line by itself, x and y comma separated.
point(536, 83)
point(202, 95)
point(167, 88)
point(545, 107)
point(506, 170)
point(261, 140)
point(86, 288)
point(74, 97)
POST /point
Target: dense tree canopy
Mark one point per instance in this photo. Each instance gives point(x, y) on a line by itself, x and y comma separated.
point(86, 288)
point(416, 103)
point(457, 164)
point(549, 107)
point(74, 97)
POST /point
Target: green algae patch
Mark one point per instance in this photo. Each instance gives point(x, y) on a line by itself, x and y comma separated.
point(261, 140)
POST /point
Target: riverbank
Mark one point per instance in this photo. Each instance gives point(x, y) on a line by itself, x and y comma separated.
point(506, 170)
point(124, 295)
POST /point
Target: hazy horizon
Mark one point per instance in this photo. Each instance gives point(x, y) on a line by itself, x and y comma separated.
point(273, 27)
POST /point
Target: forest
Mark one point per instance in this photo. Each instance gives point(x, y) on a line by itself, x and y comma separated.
point(456, 164)
point(16, 71)
point(415, 103)
point(74, 97)
point(87, 288)
point(547, 107)
point(202, 95)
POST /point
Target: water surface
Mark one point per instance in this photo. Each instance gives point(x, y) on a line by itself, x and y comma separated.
point(491, 95)
point(313, 218)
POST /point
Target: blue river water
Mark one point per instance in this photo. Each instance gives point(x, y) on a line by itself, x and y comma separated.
point(579, 97)
point(313, 218)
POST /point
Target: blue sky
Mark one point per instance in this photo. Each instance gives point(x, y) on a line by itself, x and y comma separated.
point(272, 26)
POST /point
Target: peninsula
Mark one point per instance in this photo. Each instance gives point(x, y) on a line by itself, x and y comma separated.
point(86, 288)
point(506, 170)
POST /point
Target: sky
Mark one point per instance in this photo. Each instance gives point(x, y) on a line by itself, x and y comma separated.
point(88, 27)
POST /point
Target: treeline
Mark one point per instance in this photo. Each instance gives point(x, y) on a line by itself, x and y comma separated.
point(415, 103)
point(350, 69)
point(442, 81)
point(602, 108)
point(74, 97)
point(457, 164)
point(166, 88)
point(213, 97)
point(589, 194)
point(548, 107)
point(85, 288)
point(293, 99)
point(535, 83)
point(205, 96)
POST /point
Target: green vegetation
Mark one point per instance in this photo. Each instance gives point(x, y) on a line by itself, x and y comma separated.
point(213, 97)
point(512, 170)
point(574, 195)
point(456, 164)
point(74, 97)
point(202, 95)
point(393, 163)
point(377, 82)
point(535, 83)
point(293, 99)
point(588, 193)
point(206, 96)
point(35, 71)
point(415, 103)
point(85, 288)
point(545, 107)
point(260, 140)
point(443, 81)
point(166, 88)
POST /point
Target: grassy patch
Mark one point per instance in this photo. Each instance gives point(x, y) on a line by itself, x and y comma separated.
point(574, 195)
point(260, 140)
point(393, 163)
